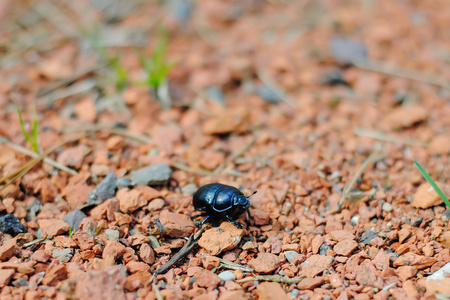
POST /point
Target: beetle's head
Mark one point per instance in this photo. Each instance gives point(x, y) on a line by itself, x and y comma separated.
point(241, 202)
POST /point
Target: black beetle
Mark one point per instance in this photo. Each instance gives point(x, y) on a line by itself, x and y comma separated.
point(220, 201)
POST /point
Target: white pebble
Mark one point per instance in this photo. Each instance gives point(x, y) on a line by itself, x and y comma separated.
point(227, 276)
point(387, 207)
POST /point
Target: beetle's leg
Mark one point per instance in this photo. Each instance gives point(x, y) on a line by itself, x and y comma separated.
point(203, 221)
point(199, 215)
point(249, 218)
point(237, 224)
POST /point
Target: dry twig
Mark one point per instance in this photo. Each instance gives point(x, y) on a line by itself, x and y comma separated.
point(111, 129)
point(377, 154)
point(398, 73)
point(12, 177)
point(231, 265)
point(183, 167)
point(275, 278)
point(382, 136)
point(28, 152)
point(185, 250)
point(235, 155)
point(157, 292)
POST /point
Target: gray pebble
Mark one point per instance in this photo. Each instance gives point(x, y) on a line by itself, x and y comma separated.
point(335, 175)
point(151, 175)
point(290, 255)
point(64, 255)
point(74, 219)
point(347, 51)
point(181, 10)
point(416, 222)
point(33, 209)
point(387, 207)
point(227, 276)
point(215, 94)
point(189, 189)
point(323, 249)
point(123, 182)
point(112, 235)
point(368, 236)
point(446, 215)
point(104, 190)
point(20, 282)
point(294, 293)
point(268, 94)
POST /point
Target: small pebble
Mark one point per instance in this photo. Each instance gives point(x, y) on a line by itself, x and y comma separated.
point(112, 235)
point(215, 94)
point(323, 249)
point(446, 215)
point(368, 236)
point(354, 220)
point(64, 255)
point(268, 94)
point(74, 219)
point(294, 293)
point(416, 222)
point(104, 190)
point(151, 175)
point(123, 182)
point(227, 276)
point(335, 175)
point(387, 207)
point(10, 224)
point(189, 189)
point(290, 255)
point(20, 282)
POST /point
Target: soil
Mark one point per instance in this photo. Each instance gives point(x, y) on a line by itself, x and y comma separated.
point(319, 106)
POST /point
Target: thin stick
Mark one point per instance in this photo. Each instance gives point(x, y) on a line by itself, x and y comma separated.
point(183, 167)
point(408, 75)
point(67, 81)
point(157, 292)
point(231, 265)
point(46, 160)
point(377, 154)
point(235, 155)
point(379, 135)
point(30, 164)
point(188, 246)
point(74, 89)
point(275, 278)
point(107, 128)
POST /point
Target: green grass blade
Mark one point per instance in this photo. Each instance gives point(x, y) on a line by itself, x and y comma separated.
point(22, 127)
point(432, 183)
point(34, 133)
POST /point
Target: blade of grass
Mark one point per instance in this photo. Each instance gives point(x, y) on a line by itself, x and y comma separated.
point(432, 183)
point(33, 139)
point(22, 127)
point(34, 133)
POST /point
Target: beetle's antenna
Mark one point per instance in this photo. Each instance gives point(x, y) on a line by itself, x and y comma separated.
point(251, 194)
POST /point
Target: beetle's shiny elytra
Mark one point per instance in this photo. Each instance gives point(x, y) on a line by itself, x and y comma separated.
point(220, 201)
